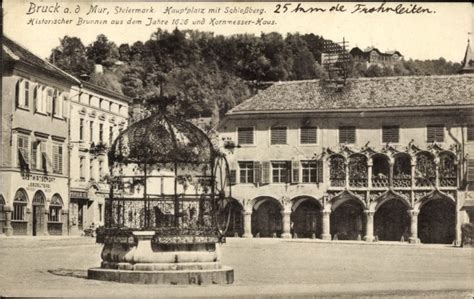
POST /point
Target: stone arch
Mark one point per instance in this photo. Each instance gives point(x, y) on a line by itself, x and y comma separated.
point(347, 217)
point(448, 164)
point(387, 196)
point(425, 174)
point(39, 199)
point(391, 219)
point(19, 215)
point(257, 201)
point(306, 218)
point(380, 170)
point(436, 194)
point(2, 200)
point(437, 218)
point(299, 199)
point(343, 197)
point(358, 170)
point(21, 196)
point(337, 170)
point(39, 220)
point(402, 170)
point(266, 217)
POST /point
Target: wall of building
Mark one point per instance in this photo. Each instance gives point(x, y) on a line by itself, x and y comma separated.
point(36, 126)
point(413, 131)
point(90, 179)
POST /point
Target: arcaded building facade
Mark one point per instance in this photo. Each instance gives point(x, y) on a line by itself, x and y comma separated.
point(97, 117)
point(34, 140)
point(386, 159)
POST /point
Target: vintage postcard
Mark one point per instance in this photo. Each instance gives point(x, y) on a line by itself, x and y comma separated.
point(237, 149)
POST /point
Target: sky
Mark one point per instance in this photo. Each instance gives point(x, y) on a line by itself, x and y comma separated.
point(442, 33)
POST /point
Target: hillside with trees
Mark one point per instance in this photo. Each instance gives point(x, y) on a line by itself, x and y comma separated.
point(209, 74)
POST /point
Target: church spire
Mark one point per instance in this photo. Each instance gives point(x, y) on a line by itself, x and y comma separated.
point(468, 62)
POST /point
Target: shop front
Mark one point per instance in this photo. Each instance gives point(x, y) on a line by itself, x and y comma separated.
point(35, 205)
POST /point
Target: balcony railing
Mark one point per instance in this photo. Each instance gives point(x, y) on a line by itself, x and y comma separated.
point(402, 181)
point(378, 182)
point(358, 183)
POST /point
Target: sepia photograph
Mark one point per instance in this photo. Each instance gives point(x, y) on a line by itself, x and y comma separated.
point(237, 149)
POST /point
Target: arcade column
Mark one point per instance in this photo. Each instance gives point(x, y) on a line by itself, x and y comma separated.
point(247, 224)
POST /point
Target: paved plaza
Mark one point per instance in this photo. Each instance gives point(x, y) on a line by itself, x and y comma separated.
point(56, 266)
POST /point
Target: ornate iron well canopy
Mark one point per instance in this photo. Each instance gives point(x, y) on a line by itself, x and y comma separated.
point(168, 204)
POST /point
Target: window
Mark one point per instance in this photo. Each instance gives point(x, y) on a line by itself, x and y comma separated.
point(435, 133)
point(246, 172)
point(278, 135)
point(91, 165)
point(19, 205)
point(280, 171)
point(101, 132)
point(82, 169)
point(91, 131)
point(390, 134)
point(347, 134)
point(245, 135)
point(55, 208)
point(23, 150)
point(111, 135)
point(34, 155)
point(23, 93)
point(308, 135)
point(309, 171)
point(470, 132)
point(58, 158)
point(81, 129)
point(49, 100)
point(27, 94)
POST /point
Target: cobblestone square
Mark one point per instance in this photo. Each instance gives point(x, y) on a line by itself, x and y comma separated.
point(56, 266)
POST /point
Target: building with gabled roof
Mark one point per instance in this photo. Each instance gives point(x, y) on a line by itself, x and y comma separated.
point(373, 55)
point(34, 137)
point(374, 159)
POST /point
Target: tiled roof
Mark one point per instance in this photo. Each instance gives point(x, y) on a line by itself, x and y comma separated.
point(14, 52)
point(365, 93)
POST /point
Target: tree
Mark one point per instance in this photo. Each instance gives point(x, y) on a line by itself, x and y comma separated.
point(102, 51)
point(70, 56)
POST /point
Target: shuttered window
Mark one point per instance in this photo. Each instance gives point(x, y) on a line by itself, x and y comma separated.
point(435, 133)
point(280, 172)
point(308, 135)
point(257, 172)
point(58, 158)
point(390, 134)
point(34, 155)
point(265, 172)
point(470, 132)
point(278, 135)
point(312, 171)
point(245, 135)
point(295, 172)
point(246, 170)
point(347, 134)
point(23, 150)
